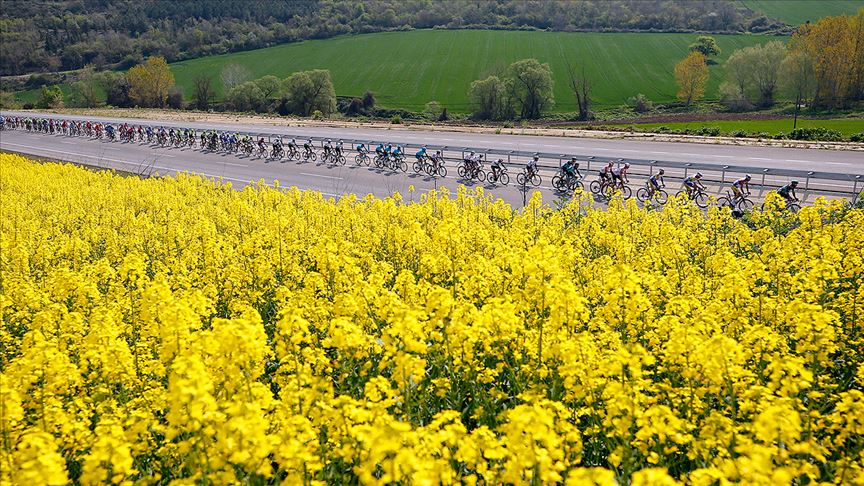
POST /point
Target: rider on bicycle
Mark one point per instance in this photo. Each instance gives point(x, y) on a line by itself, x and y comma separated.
point(693, 183)
point(361, 149)
point(277, 146)
point(571, 169)
point(655, 182)
point(292, 145)
point(327, 148)
point(741, 186)
point(261, 146)
point(531, 167)
point(619, 175)
point(497, 168)
point(421, 154)
point(437, 159)
point(606, 172)
point(788, 192)
point(379, 150)
point(339, 148)
point(307, 146)
point(398, 152)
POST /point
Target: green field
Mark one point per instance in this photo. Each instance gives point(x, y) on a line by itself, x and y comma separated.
point(796, 12)
point(408, 69)
point(846, 126)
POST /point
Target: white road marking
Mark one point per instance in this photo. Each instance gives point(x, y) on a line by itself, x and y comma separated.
point(322, 176)
point(235, 165)
point(758, 158)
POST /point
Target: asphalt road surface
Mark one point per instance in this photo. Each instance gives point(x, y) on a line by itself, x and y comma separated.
point(337, 180)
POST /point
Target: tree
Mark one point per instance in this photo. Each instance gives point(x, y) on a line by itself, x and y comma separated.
point(530, 85)
point(691, 75)
point(640, 103)
point(706, 45)
point(116, 87)
point(580, 85)
point(488, 98)
point(766, 60)
point(150, 82)
point(269, 85)
point(432, 110)
point(308, 91)
point(739, 78)
point(234, 74)
point(835, 45)
point(50, 97)
point(85, 92)
point(797, 79)
point(368, 100)
point(175, 98)
point(203, 93)
point(246, 97)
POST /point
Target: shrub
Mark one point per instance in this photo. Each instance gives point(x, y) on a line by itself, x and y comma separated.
point(857, 137)
point(707, 131)
point(640, 103)
point(739, 133)
point(396, 120)
point(816, 133)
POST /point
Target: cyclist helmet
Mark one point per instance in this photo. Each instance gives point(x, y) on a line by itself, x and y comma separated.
point(699, 174)
point(661, 172)
point(536, 158)
point(747, 177)
point(627, 165)
point(794, 182)
point(328, 139)
point(573, 159)
point(500, 161)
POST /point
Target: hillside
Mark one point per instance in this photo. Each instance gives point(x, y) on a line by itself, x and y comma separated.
point(408, 69)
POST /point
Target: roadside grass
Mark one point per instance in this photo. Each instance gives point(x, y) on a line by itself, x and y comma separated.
point(408, 69)
point(846, 126)
point(797, 12)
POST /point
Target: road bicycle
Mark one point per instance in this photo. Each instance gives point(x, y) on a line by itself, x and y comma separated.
point(735, 201)
point(648, 194)
point(698, 195)
point(524, 178)
point(499, 176)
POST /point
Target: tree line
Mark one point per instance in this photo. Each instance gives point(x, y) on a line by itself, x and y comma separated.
point(822, 66)
point(49, 35)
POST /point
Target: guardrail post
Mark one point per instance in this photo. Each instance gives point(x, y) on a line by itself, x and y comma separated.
point(723, 174)
point(589, 162)
point(651, 167)
point(764, 172)
point(855, 187)
point(807, 181)
point(687, 169)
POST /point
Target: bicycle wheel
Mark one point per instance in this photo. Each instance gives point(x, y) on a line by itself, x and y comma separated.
point(660, 196)
point(461, 171)
point(504, 179)
point(642, 195)
point(558, 183)
point(701, 200)
point(358, 159)
point(442, 171)
point(724, 202)
point(794, 207)
point(481, 176)
point(342, 159)
point(595, 187)
point(536, 179)
point(417, 166)
point(576, 186)
point(745, 205)
point(403, 166)
point(626, 192)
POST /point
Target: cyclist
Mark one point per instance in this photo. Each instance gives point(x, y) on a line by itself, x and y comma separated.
point(693, 183)
point(571, 169)
point(109, 129)
point(398, 152)
point(606, 172)
point(531, 168)
point(327, 148)
point(262, 147)
point(292, 145)
point(277, 147)
point(619, 175)
point(740, 186)
point(361, 149)
point(379, 150)
point(421, 154)
point(788, 192)
point(437, 160)
point(655, 182)
point(339, 148)
point(497, 168)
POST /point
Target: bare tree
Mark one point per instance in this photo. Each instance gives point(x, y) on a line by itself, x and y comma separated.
point(204, 93)
point(581, 87)
point(234, 74)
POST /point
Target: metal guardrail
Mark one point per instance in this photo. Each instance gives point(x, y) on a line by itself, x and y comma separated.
point(650, 164)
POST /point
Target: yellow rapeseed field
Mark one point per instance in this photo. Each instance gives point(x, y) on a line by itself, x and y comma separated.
point(180, 331)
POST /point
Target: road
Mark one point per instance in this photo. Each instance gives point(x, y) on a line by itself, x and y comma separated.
point(335, 181)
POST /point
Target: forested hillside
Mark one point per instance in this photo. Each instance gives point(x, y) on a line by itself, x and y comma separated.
point(51, 35)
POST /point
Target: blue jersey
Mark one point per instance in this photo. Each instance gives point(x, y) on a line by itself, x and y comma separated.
point(421, 152)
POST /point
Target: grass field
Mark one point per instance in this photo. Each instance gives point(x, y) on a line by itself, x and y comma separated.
point(846, 126)
point(408, 69)
point(796, 12)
